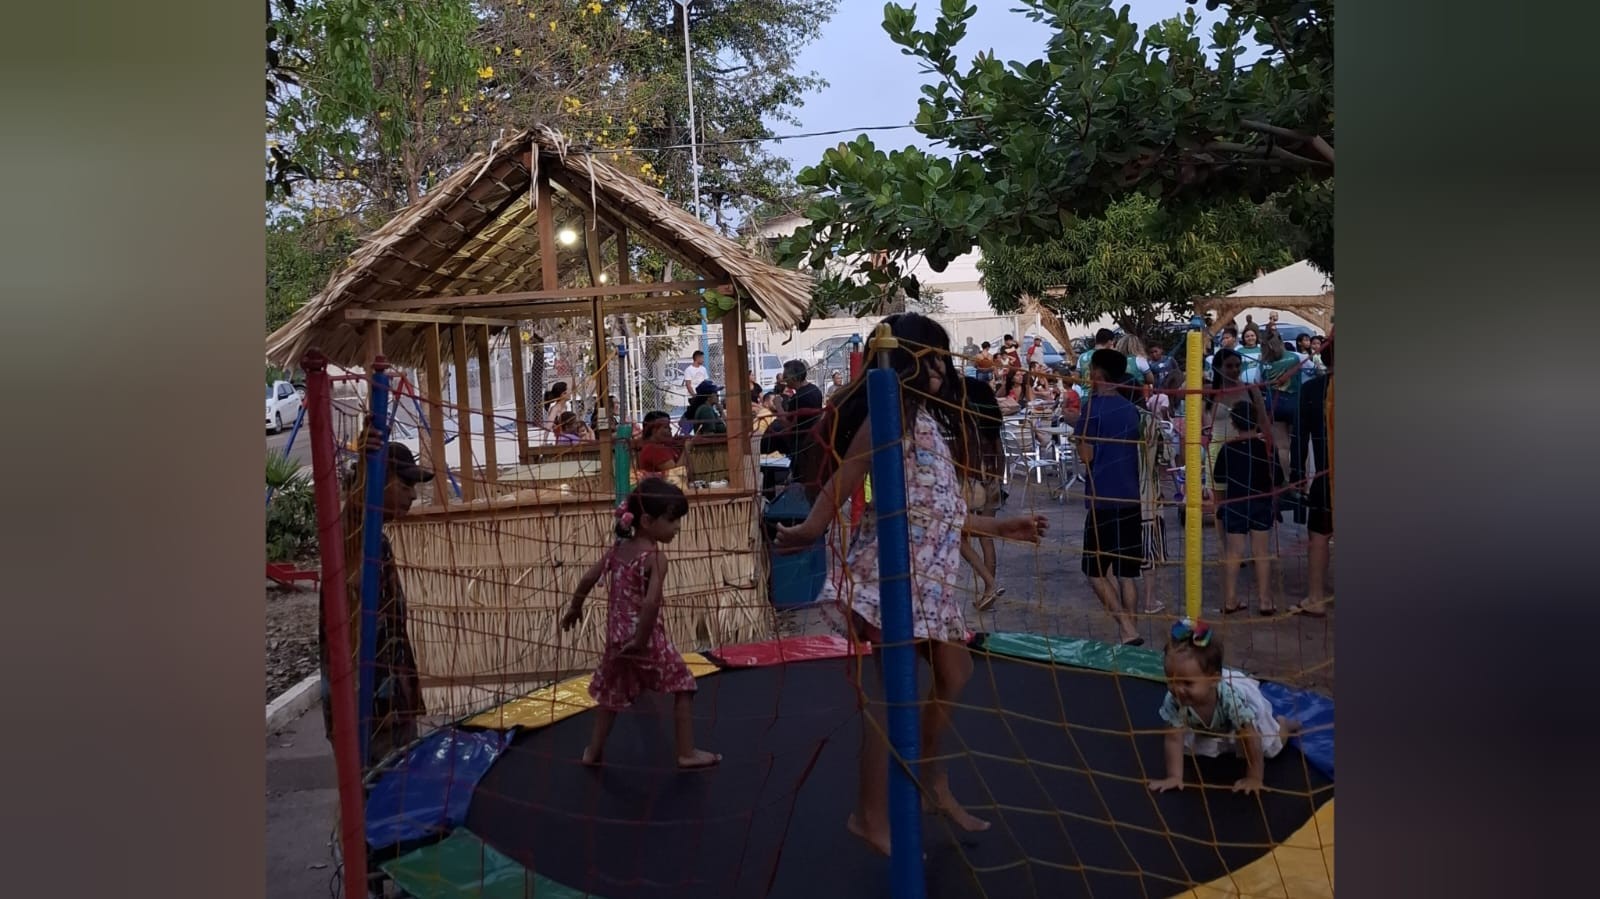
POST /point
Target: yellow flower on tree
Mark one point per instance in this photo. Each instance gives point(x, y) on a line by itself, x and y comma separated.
point(552, 25)
point(517, 52)
point(486, 72)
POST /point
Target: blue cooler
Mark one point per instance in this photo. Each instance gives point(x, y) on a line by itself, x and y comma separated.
point(796, 578)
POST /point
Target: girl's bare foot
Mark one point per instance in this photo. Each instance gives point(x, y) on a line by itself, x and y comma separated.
point(591, 756)
point(698, 759)
point(877, 838)
point(944, 802)
point(1288, 727)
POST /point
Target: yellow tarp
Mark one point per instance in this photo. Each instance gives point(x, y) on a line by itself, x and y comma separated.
point(558, 701)
point(1300, 868)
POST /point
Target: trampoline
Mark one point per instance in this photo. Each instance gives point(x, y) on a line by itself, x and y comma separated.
point(1055, 755)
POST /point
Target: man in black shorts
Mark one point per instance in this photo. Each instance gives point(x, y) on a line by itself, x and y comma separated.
point(1107, 436)
point(1316, 434)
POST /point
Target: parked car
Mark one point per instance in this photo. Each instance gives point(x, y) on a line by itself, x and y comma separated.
point(283, 405)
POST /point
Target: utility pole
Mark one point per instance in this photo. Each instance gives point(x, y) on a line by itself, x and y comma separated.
point(694, 157)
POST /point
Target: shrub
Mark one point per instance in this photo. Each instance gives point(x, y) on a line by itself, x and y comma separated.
point(292, 513)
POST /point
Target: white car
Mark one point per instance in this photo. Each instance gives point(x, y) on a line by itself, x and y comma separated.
point(283, 405)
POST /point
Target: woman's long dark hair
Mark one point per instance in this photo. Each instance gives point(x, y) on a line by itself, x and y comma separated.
point(920, 338)
point(1217, 387)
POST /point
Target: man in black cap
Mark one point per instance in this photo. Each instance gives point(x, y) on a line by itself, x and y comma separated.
point(397, 696)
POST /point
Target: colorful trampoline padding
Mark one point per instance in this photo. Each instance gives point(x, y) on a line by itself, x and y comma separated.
point(1301, 867)
point(465, 867)
point(426, 794)
point(562, 700)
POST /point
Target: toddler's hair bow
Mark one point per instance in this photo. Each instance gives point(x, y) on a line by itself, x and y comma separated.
point(624, 516)
point(1196, 632)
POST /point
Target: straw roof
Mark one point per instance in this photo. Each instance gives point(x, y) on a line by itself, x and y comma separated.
point(476, 234)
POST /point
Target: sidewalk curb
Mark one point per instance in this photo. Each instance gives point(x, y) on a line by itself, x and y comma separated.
point(293, 703)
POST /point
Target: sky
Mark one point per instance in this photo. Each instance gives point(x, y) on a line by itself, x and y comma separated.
point(870, 82)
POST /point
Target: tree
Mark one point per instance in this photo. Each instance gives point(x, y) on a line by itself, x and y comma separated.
point(1102, 115)
point(390, 94)
point(1137, 264)
point(304, 248)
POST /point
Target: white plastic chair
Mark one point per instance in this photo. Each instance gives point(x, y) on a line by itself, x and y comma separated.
point(1022, 453)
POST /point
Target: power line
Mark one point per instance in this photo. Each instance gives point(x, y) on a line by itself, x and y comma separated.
point(778, 139)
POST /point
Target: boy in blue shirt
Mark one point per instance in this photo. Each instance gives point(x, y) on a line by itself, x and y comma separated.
point(1107, 436)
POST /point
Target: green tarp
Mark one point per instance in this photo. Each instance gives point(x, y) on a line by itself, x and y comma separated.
point(1136, 661)
point(463, 867)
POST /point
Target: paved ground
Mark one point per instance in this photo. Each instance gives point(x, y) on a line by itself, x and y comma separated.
point(1046, 593)
point(302, 806)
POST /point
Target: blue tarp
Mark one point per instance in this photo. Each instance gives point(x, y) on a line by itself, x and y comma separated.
point(1315, 714)
point(426, 793)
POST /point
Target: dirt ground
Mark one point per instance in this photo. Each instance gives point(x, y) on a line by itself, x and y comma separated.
point(291, 638)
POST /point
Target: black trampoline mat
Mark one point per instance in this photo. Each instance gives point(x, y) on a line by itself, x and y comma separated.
point(770, 820)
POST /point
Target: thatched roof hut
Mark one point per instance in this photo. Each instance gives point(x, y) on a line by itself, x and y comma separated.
point(472, 246)
point(536, 230)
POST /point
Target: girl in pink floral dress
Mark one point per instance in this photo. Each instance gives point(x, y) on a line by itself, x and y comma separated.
point(639, 657)
point(938, 436)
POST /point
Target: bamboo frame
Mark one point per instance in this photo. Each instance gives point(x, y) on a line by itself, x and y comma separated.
point(491, 467)
point(550, 293)
point(435, 392)
point(519, 376)
point(458, 349)
point(370, 315)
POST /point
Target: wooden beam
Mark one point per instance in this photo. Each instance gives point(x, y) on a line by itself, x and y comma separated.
point(549, 253)
point(664, 239)
point(624, 271)
point(553, 293)
point(372, 345)
point(458, 347)
point(580, 198)
point(736, 399)
point(435, 393)
point(486, 397)
point(521, 392)
point(424, 318)
point(556, 308)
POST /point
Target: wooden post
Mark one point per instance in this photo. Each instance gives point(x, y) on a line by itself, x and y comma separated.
point(624, 276)
point(602, 392)
point(520, 377)
point(603, 425)
point(458, 346)
point(548, 268)
point(491, 467)
point(372, 346)
point(435, 393)
point(736, 394)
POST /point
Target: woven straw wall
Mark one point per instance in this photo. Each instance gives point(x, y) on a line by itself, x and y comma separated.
point(486, 593)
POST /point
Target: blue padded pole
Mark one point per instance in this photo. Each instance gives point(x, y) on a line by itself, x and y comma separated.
point(906, 875)
point(372, 555)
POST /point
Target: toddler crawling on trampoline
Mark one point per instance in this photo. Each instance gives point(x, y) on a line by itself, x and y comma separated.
point(1212, 711)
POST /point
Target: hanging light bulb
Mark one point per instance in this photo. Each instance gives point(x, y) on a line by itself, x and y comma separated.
point(567, 236)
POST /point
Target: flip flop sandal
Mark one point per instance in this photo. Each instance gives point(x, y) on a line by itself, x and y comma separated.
point(1156, 609)
point(987, 600)
point(1267, 613)
point(1318, 610)
point(1233, 611)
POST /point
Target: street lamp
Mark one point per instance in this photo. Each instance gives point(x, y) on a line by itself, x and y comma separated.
point(694, 151)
